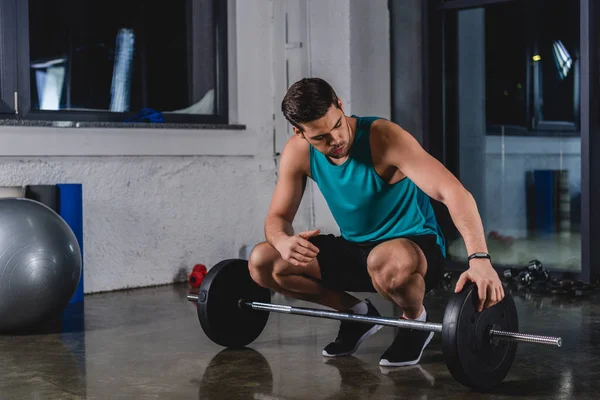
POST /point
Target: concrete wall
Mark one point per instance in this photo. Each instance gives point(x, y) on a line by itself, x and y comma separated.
point(148, 219)
point(471, 102)
point(370, 70)
point(407, 64)
point(349, 47)
point(158, 201)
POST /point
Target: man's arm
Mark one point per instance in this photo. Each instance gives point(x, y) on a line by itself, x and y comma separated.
point(288, 193)
point(279, 233)
point(403, 151)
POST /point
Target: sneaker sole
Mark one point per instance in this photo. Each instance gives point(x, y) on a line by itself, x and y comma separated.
point(386, 363)
point(365, 336)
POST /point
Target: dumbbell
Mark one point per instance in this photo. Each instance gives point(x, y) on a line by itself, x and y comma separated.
point(197, 275)
point(526, 276)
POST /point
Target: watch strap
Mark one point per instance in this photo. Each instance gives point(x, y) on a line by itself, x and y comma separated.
point(479, 255)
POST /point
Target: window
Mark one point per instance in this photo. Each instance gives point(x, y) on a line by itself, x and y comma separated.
point(111, 60)
point(532, 69)
point(556, 63)
point(506, 73)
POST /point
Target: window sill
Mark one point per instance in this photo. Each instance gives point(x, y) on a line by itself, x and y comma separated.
point(557, 130)
point(35, 138)
point(531, 145)
point(111, 124)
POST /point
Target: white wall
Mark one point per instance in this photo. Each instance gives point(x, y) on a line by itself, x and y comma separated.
point(408, 65)
point(146, 218)
point(370, 69)
point(471, 101)
point(158, 201)
point(350, 49)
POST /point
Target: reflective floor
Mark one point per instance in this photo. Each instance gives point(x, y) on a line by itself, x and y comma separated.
point(555, 252)
point(147, 344)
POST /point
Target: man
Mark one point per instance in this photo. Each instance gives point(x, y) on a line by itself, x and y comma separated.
point(377, 181)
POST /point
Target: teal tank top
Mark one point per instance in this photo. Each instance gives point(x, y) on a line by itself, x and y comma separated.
point(365, 207)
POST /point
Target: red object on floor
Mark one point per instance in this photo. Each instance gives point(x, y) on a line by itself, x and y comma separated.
point(197, 275)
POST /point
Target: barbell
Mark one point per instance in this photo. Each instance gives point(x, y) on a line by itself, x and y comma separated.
point(478, 347)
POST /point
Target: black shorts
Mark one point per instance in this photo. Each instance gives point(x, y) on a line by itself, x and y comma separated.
point(344, 264)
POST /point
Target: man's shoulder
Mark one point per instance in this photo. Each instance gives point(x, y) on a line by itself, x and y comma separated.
point(388, 137)
point(373, 123)
point(296, 154)
point(297, 147)
point(383, 129)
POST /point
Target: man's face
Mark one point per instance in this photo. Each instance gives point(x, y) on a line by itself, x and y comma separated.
point(330, 134)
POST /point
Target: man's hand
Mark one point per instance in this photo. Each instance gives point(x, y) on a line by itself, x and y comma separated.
point(297, 250)
point(490, 289)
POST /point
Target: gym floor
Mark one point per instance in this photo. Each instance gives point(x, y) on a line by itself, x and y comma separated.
point(147, 344)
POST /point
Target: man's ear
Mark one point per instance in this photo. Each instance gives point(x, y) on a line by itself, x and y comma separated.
point(340, 104)
point(298, 132)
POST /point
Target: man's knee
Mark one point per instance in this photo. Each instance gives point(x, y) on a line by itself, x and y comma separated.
point(393, 276)
point(393, 269)
point(261, 263)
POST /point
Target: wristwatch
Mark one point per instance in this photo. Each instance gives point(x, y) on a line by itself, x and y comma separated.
point(479, 255)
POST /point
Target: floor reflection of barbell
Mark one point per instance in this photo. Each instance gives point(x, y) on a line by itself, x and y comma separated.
point(479, 347)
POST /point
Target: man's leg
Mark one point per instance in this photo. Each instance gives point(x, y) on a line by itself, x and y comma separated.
point(340, 258)
point(397, 268)
point(269, 270)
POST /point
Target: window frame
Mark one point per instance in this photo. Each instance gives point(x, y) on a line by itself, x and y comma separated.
point(8, 57)
point(442, 145)
point(535, 125)
point(15, 89)
point(535, 88)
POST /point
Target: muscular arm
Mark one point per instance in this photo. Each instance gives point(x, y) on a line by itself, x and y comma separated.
point(288, 191)
point(403, 151)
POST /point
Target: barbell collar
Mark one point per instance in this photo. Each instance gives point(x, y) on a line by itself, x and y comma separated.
point(395, 322)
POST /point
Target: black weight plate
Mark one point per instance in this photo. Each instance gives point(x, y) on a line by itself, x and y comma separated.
point(222, 320)
point(470, 356)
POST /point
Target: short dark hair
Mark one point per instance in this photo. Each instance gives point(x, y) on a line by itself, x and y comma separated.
point(308, 100)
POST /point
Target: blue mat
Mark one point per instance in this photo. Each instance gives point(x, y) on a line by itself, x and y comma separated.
point(71, 210)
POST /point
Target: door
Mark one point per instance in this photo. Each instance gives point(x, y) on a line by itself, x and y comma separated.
point(511, 125)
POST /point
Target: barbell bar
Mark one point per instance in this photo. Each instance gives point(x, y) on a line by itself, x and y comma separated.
point(495, 334)
point(478, 347)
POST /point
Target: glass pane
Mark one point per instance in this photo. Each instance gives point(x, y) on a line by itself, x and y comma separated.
point(506, 73)
point(122, 55)
point(526, 182)
point(555, 60)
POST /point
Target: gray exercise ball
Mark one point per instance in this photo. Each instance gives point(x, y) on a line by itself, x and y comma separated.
point(40, 264)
